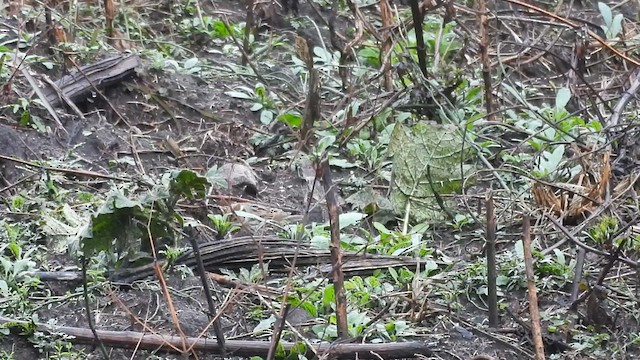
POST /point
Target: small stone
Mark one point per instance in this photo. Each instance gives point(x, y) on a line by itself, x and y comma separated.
point(238, 174)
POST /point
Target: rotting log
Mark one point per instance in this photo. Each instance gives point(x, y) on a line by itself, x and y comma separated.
point(244, 252)
point(101, 74)
point(245, 348)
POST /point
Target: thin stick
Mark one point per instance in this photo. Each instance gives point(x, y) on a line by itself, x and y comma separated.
point(87, 307)
point(336, 252)
point(492, 272)
point(217, 328)
point(534, 312)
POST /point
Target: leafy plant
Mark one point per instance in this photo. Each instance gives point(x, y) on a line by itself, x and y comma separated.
point(603, 231)
point(128, 228)
point(549, 162)
point(370, 153)
point(56, 346)
point(212, 27)
point(554, 271)
point(427, 162)
point(17, 281)
point(252, 276)
point(263, 101)
point(460, 221)
point(222, 225)
point(612, 24)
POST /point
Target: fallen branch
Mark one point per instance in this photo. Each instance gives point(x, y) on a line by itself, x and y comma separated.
point(243, 252)
point(103, 74)
point(244, 348)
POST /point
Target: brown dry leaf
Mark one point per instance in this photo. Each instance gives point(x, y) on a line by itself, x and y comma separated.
point(545, 198)
point(119, 41)
point(60, 34)
point(14, 8)
point(302, 49)
point(582, 194)
point(626, 184)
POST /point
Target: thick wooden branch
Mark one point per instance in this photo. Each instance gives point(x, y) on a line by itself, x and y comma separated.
point(245, 348)
point(244, 252)
point(101, 74)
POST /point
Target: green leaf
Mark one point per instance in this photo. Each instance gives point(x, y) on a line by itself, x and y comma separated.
point(519, 249)
point(550, 161)
point(264, 325)
point(293, 120)
point(215, 178)
point(325, 332)
point(324, 143)
point(189, 184)
point(122, 202)
point(605, 11)
point(256, 107)
point(350, 218)
point(560, 258)
point(280, 352)
point(219, 29)
point(191, 63)
point(305, 305)
point(266, 117)
point(341, 163)
point(4, 289)
point(616, 26)
point(239, 95)
point(298, 349)
point(382, 229)
point(261, 91)
point(502, 280)
point(562, 98)
point(423, 150)
point(25, 118)
point(328, 297)
point(320, 242)
point(113, 221)
point(371, 55)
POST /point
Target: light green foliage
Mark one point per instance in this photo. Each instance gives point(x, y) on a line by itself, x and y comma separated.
point(209, 26)
point(263, 101)
point(17, 283)
point(593, 343)
point(548, 129)
point(554, 270)
point(460, 221)
point(440, 41)
point(426, 158)
point(612, 24)
point(222, 225)
point(56, 346)
point(392, 242)
point(603, 231)
point(251, 276)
